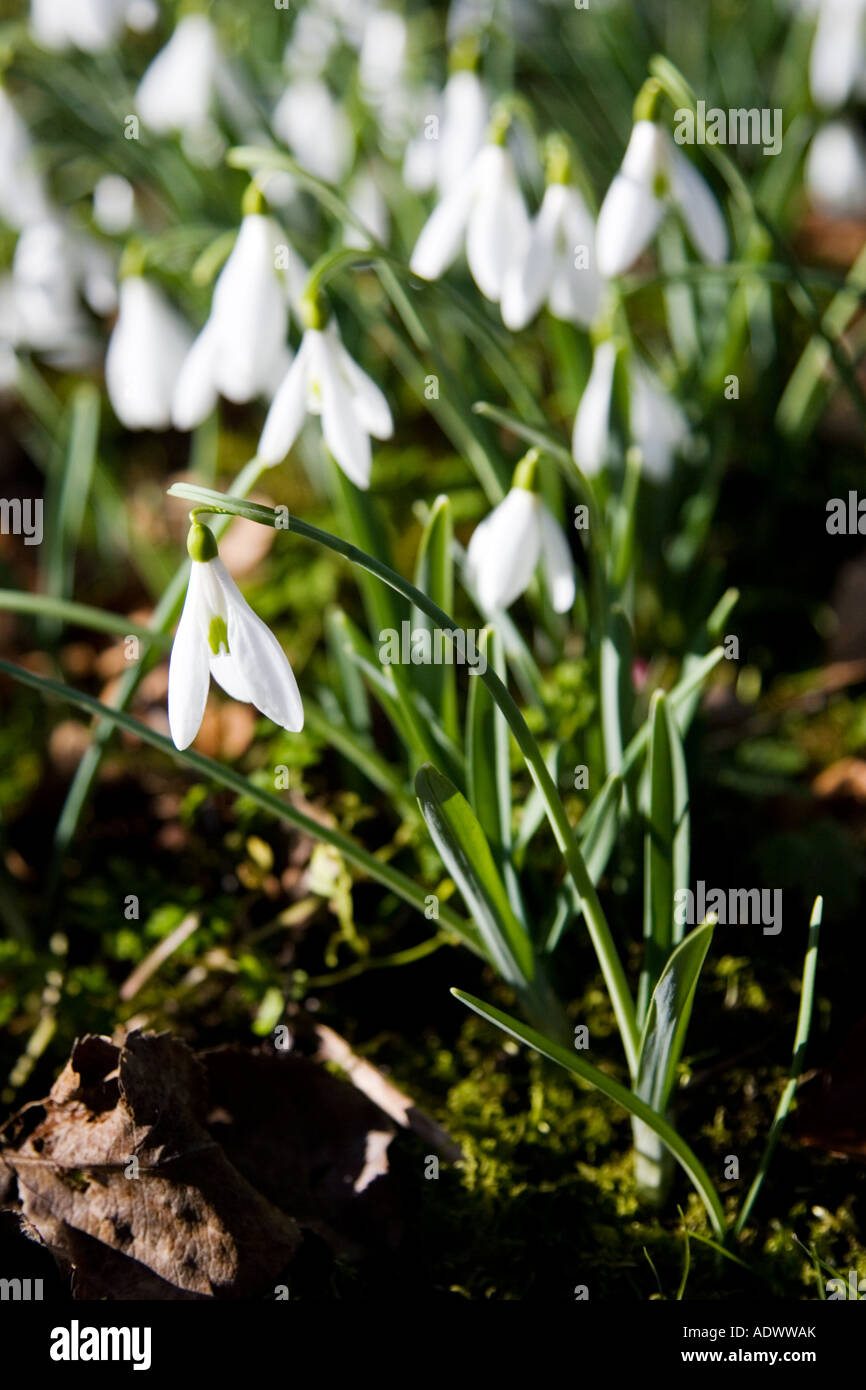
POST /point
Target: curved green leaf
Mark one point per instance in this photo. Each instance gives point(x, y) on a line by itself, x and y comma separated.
point(464, 849)
point(573, 1062)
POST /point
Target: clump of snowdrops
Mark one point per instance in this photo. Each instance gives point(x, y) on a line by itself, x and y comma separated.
point(194, 198)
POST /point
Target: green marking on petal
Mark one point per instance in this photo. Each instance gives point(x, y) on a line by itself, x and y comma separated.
point(218, 635)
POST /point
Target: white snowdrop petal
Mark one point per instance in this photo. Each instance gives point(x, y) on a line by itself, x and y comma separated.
point(527, 280)
point(504, 550)
point(145, 354)
point(836, 169)
point(249, 312)
point(658, 425)
point(344, 434)
point(188, 673)
point(498, 224)
point(590, 442)
point(175, 92)
point(371, 407)
point(575, 290)
point(288, 408)
point(442, 234)
point(699, 210)
point(556, 561)
point(316, 128)
point(258, 657)
point(195, 394)
point(836, 58)
point(627, 223)
point(464, 120)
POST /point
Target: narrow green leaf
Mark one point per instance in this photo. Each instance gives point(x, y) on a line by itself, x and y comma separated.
point(668, 1017)
point(464, 850)
point(801, 1038)
point(578, 1066)
point(70, 504)
point(488, 772)
point(434, 575)
point(666, 844)
point(667, 1020)
point(355, 703)
point(617, 693)
point(597, 833)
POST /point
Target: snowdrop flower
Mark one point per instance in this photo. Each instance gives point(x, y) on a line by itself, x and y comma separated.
point(654, 175)
point(452, 135)
point(241, 352)
point(177, 91)
point(484, 209)
point(145, 354)
point(91, 25)
point(53, 268)
point(219, 635)
point(316, 129)
point(508, 545)
point(382, 59)
point(657, 425)
point(836, 169)
point(837, 63)
point(22, 196)
point(324, 380)
point(113, 204)
point(555, 267)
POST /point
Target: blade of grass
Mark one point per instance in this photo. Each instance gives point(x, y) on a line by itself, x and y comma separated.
point(801, 1038)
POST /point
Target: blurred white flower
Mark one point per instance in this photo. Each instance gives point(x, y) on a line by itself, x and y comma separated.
point(22, 196)
point(241, 351)
point(484, 209)
point(836, 170)
point(314, 37)
point(316, 129)
point(53, 268)
point(507, 546)
point(324, 380)
point(145, 354)
point(367, 202)
point(552, 269)
point(657, 424)
point(219, 635)
point(91, 25)
point(837, 63)
point(41, 309)
point(113, 204)
point(177, 90)
point(381, 65)
point(453, 127)
point(654, 175)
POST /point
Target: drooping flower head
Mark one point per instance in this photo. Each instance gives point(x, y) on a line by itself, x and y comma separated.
point(557, 266)
point(653, 177)
point(324, 380)
point(219, 635)
point(483, 211)
point(518, 535)
point(241, 352)
point(654, 422)
point(145, 354)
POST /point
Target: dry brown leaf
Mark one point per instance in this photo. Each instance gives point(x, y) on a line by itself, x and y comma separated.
point(154, 1172)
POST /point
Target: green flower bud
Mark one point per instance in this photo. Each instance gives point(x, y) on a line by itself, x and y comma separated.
point(201, 543)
